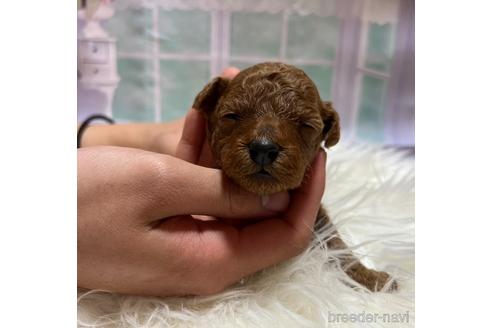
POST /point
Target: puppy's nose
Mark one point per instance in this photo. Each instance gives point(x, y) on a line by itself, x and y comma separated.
point(263, 151)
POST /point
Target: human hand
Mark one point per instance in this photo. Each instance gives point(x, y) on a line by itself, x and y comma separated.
point(136, 234)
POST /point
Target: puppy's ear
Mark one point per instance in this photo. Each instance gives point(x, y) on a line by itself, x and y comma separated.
point(208, 98)
point(331, 121)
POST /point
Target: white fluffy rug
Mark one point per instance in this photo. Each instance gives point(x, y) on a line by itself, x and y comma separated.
point(370, 197)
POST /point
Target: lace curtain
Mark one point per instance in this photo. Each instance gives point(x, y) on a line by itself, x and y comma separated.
point(378, 11)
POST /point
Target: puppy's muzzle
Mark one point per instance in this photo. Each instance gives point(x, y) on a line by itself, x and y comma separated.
point(263, 151)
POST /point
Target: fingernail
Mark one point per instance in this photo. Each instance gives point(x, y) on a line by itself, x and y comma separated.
point(275, 202)
point(230, 72)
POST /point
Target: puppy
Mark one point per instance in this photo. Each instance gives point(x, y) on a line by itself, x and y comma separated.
point(264, 128)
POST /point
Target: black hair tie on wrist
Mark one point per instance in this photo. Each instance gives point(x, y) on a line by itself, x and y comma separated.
point(86, 123)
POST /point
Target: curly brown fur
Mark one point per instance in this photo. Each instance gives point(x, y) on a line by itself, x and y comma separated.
point(277, 105)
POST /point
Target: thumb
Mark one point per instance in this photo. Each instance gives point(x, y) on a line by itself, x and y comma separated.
point(192, 137)
point(198, 190)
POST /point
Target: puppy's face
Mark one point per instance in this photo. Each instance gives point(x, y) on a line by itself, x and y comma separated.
point(266, 125)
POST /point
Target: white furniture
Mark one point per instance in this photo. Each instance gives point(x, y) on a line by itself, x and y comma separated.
point(96, 56)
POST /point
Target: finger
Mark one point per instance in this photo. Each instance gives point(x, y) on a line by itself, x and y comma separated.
point(232, 253)
point(230, 72)
point(184, 188)
point(215, 248)
point(192, 138)
point(206, 157)
point(306, 199)
point(238, 252)
point(192, 146)
point(274, 240)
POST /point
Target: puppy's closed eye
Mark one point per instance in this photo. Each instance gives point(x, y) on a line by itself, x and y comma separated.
point(231, 116)
point(308, 125)
point(308, 130)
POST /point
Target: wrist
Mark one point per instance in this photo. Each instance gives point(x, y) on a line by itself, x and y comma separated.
point(157, 137)
point(87, 123)
point(97, 135)
point(123, 135)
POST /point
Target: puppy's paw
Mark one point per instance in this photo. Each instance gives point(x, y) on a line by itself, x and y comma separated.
point(372, 279)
